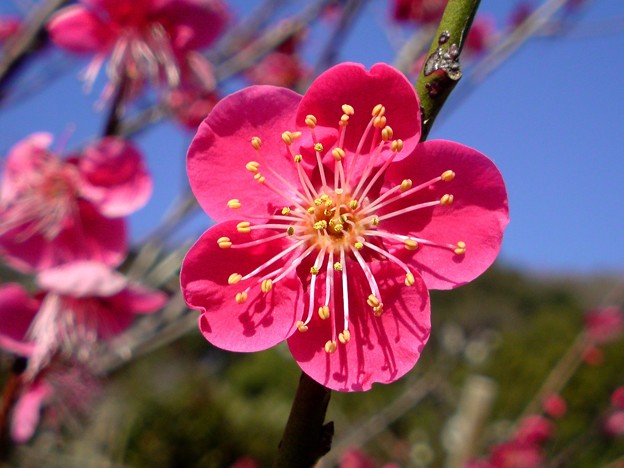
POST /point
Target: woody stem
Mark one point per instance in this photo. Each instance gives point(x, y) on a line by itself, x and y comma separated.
point(306, 438)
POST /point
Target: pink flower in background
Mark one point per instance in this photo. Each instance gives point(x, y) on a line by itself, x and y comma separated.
point(332, 224)
point(190, 105)
point(617, 398)
point(9, 26)
point(604, 325)
point(146, 40)
point(54, 210)
point(614, 424)
point(555, 406)
point(481, 35)
point(418, 11)
point(534, 429)
point(83, 302)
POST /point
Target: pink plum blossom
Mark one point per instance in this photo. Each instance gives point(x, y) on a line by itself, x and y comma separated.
point(147, 40)
point(604, 325)
point(54, 210)
point(9, 26)
point(617, 398)
point(418, 11)
point(555, 406)
point(333, 222)
point(82, 303)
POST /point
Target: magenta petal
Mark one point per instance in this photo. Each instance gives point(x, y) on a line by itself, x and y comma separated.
point(264, 319)
point(17, 310)
point(381, 349)
point(221, 149)
point(351, 83)
point(81, 31)
point(23, 158)
point(82, 279)
point(478, 215)
point(137, 299)
point(115, 178)
point(27, 411)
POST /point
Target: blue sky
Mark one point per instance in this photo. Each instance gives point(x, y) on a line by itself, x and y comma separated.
point(551, 117)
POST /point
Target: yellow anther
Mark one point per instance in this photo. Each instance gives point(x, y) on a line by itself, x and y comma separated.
point(446, 199)
point(323, 312)
point(318, 201)
point(290, 231)
point(259, 178)
point(410, 244)
point(447, 176)
point(387, 133)
point(353, 204)
point(252, 166)
point(358, 245)
point(287, 137)
point(347, 109)
point(396, 145)
point(298, 158)
point(234, 203)
point(338, 154)
point(375, 221)
point(327, 212)
point(241, 297)
point(344, 218)
point(234, 278)
point(345, 336)
point(328, 203)
point(379, 121)
point(338, 266)
point(312, 209)
point(224, 242)
point(344, 120)
point(310, 121)
point(266, 285)
point(373, 301)
point(330, 347)
point(377, 311)
point(338, 227)
point(461, 248)
point(285, 211)
point(318, 147)
point(314, 270)
point(406, 185)
point(409, 279)
point(243, 227)
point(256, 142)
point(322, 224)
point(302, 327)
point(378, 111)
point(324, 197)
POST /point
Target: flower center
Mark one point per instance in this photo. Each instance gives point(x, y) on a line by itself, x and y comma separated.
point(336, 220)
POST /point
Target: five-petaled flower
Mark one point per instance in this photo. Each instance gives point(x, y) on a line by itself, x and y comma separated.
point(147, 40)
point(333, 223)
point(55, 210)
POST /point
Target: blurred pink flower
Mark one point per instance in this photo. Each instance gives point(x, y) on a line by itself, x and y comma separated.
point(27, 411)
point(54, 210)
point(147, 40)
point(190, 105)
point(520, 12)
point(277, 69)
point(9, 26)
point(555, 406)
point(516, 454)
point(331, 228)
point(617, 398)
point(418, 11)
point(481, 35)
point(83, 302)
point(614, 424)
point(534, 429)
point(592, 356)
point(604, 325)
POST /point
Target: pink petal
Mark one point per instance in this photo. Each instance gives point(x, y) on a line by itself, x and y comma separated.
point(115, 177)
point(351, 83)
point(221, 149)
point(137, 299)
point(192, 24)
point(259, 323)
point(381, 349)
point(82, 279)
point(90, 236)
point(477, 216)
point(23, 158)
point(17, 310)
point(80, 31)
point(27, 412)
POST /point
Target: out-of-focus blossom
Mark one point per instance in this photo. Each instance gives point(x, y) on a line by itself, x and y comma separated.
point(592, 355)
point(54, 210)
point(555, 406)
point(145, 40)
point(331, 228)
point(354, 458)
point(604, 325)
point(27, 411)
point(82, 302)
point(516, 454)
point(481, 35)
point(617, 398)
point(190, 105)
point(521, 11)
point(534, 429)
point(614, 424)
point(418, 11)
point(9, 26)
